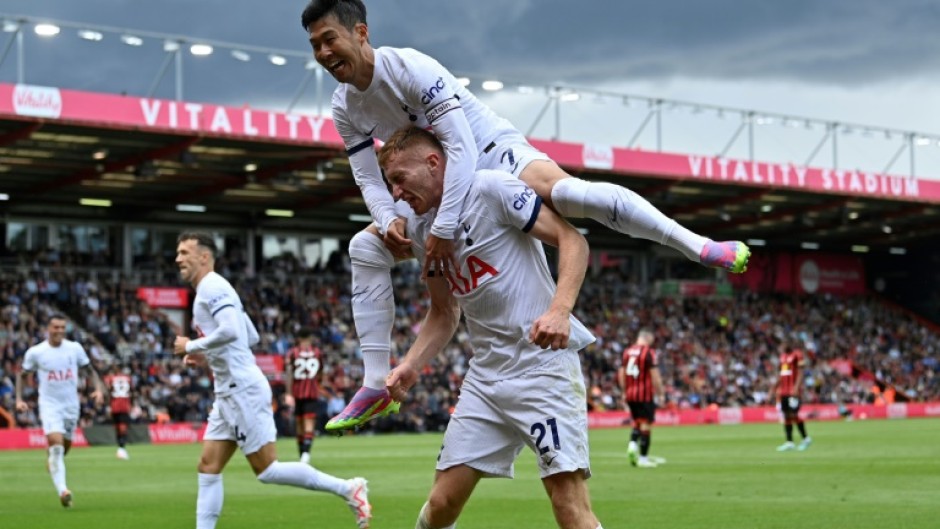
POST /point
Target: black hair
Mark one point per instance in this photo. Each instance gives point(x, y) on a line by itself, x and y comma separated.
point(348, 12)
point(202, 238)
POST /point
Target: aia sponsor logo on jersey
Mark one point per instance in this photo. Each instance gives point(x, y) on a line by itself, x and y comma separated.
point(477, 268)
point(60, 375)
point(519, 200)
point(430, 93)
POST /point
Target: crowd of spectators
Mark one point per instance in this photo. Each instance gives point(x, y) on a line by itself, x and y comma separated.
point(712, 351)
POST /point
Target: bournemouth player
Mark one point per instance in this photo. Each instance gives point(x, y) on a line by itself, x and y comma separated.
point(524, 386)
point(58, 364)
point(119, 386)
point(384, 89)
point(304, 372)
point(241, 415)
point(788, 390)
point(642, 388)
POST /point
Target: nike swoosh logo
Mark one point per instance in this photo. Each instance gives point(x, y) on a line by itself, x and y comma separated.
point(616, 212)
point(371, 131)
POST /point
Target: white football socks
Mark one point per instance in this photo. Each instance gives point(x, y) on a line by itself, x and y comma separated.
point(423, 520)
point(209, 500)
point(301, 475)
point(57, 467)
point(373, 304)
point(622, 210)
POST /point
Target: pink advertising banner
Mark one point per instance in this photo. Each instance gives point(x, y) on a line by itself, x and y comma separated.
point(818, 412)
point(20, 438)
point(836, 274)
point(164, 297)
point(160, 115)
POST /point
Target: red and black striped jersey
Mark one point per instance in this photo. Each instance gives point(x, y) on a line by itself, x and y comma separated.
point(305, 365)
point(119, 387)
point(638, 363)
point(790, 364)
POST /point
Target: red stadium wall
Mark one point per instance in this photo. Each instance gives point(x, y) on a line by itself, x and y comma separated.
point(803, 273)
point(813, 412)
point(19, 438)
point(189, 433)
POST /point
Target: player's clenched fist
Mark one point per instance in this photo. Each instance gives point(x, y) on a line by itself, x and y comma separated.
point(551, 330)
point(179, 345)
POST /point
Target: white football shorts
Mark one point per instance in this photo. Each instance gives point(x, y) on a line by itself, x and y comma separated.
point(244, 416)
point(510, 153)
point(58, 419)
point(544, 409)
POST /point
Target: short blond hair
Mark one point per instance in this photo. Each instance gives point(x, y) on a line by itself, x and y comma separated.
point(408, 138)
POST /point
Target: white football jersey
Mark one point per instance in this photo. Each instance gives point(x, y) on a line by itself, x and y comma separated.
point(410, 88)
point(57, 371)
point(503, 283)
point(233, 364)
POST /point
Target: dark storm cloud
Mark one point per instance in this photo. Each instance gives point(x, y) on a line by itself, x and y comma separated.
point(841, 42)
point(817, 41)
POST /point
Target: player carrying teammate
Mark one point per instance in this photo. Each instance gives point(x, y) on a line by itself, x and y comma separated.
point(524, 386)
point(304, 372)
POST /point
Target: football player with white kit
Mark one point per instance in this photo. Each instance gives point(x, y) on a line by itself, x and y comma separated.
point(59, 363)
point(524, 386)
point(241, 415)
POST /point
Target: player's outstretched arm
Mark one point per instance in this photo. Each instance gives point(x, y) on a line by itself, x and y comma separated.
point(551, 330)
point(437, 329)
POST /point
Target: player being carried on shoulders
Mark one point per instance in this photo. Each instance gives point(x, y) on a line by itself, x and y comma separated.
point(383, 89)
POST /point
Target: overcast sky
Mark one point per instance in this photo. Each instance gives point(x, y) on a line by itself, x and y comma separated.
point(861, 61)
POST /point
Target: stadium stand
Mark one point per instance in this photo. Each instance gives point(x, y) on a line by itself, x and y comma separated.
point(87, 261)
point(713, 351)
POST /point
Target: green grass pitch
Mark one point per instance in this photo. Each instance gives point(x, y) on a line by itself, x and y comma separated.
point(858, 475)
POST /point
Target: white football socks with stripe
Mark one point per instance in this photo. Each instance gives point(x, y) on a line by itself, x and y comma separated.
point(373, 304)
point(622, 210)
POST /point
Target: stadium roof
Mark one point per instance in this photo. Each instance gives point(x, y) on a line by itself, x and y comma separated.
point(150, 156)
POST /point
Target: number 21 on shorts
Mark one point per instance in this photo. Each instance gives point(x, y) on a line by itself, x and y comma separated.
point(538, 430)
